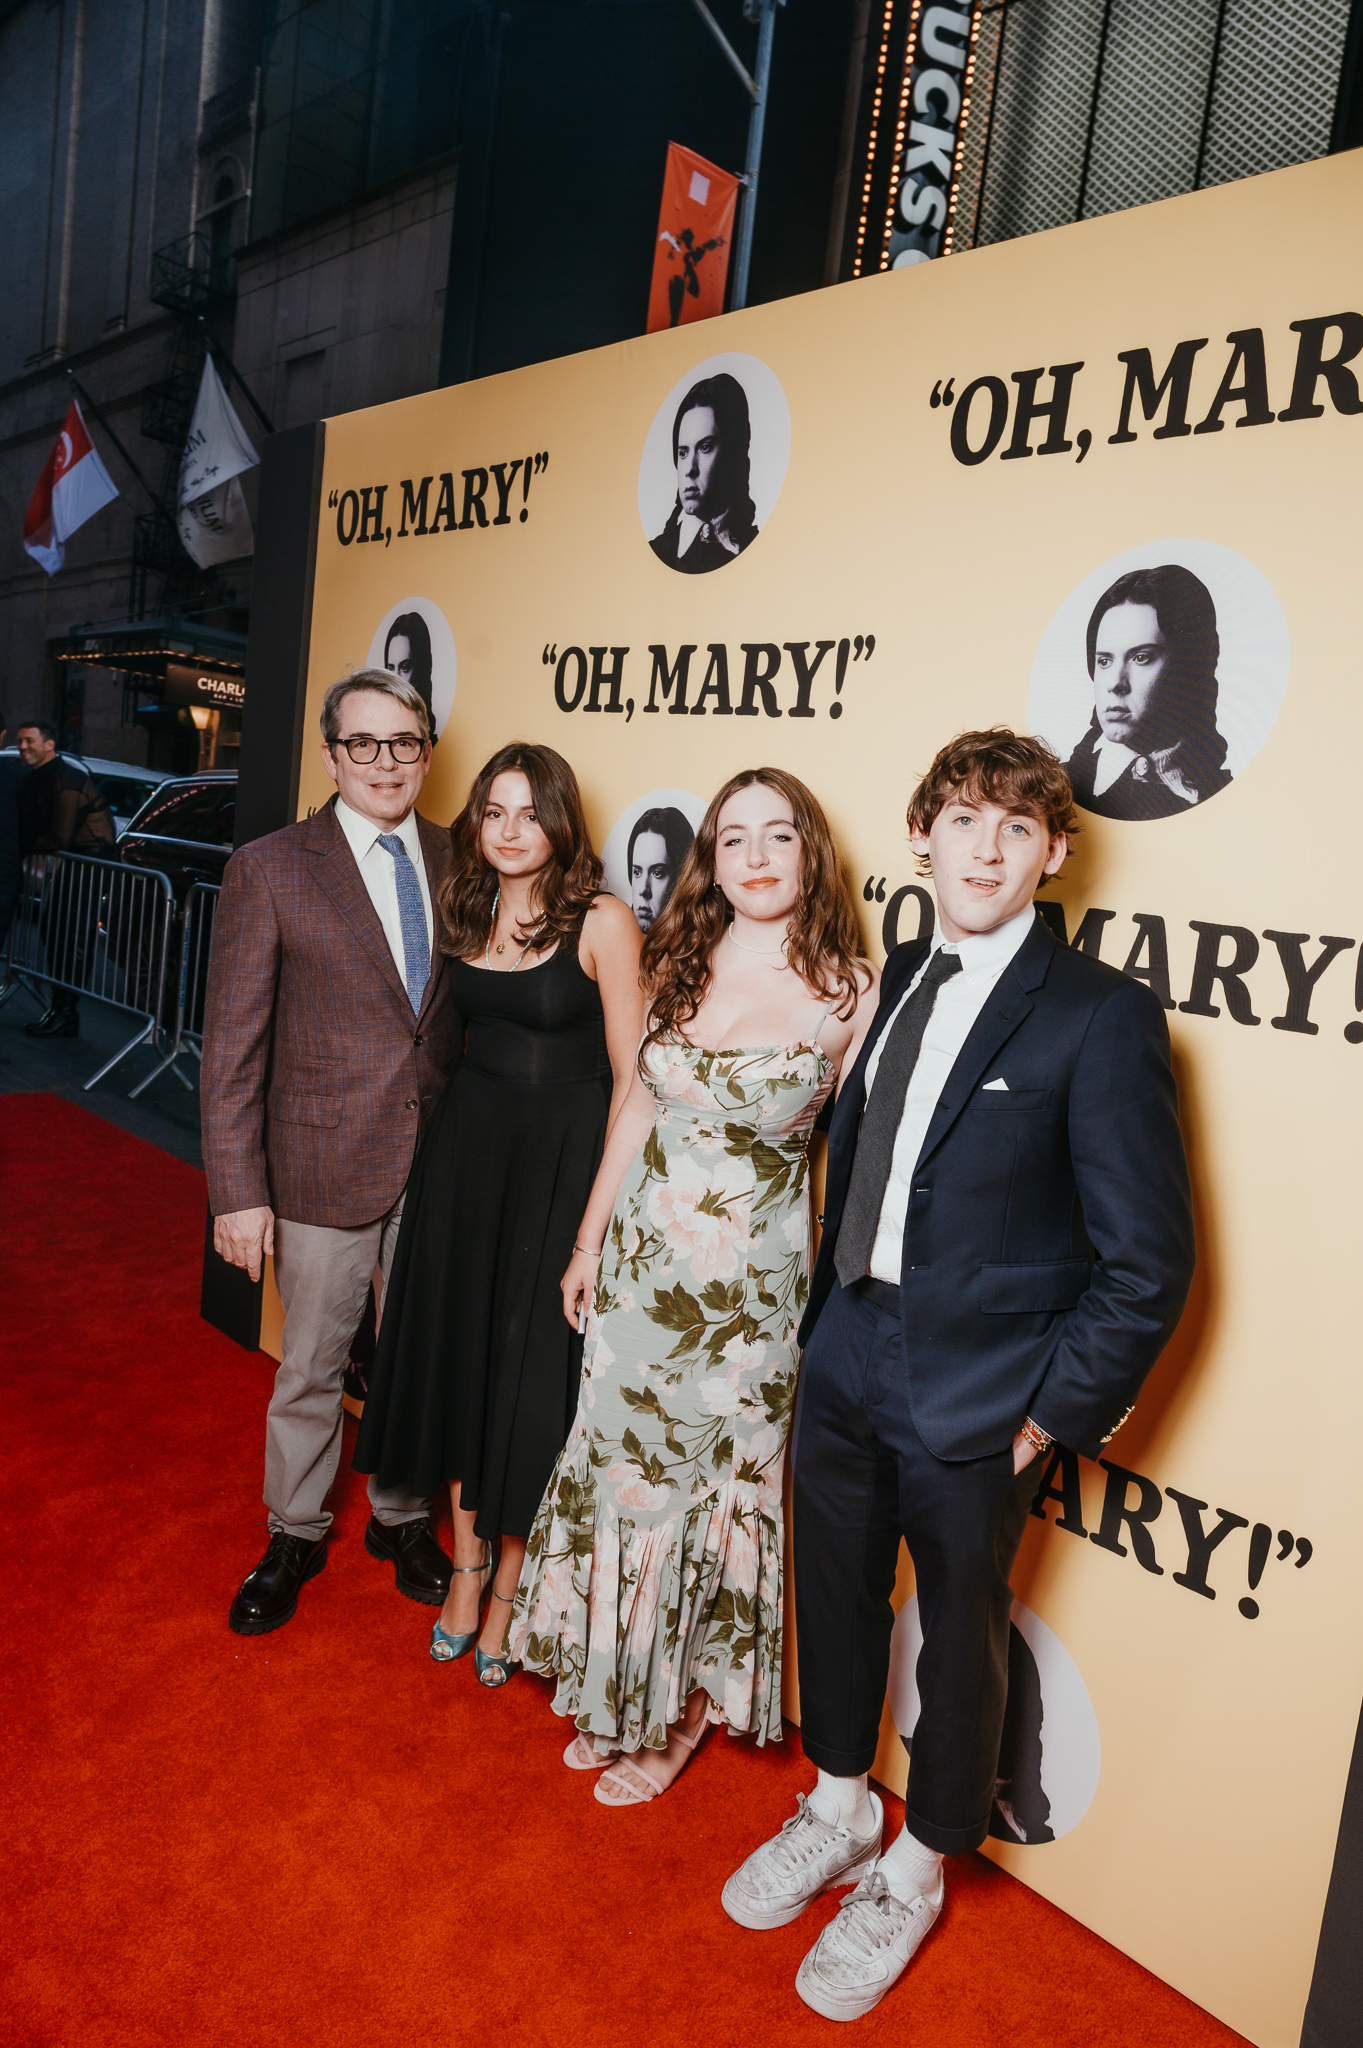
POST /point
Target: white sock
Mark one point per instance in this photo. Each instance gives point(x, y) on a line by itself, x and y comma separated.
point(909, 1868)
point(844, 1803)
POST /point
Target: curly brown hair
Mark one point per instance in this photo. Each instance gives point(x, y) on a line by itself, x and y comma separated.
point(563, 890)
point(825, 942)
point(1001, 767)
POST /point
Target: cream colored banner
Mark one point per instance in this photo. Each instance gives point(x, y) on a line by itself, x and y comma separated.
point(928, 548)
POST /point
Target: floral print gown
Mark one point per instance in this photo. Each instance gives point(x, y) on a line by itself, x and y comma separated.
point(654, 1564)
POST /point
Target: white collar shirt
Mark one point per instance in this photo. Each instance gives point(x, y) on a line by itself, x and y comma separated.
point(1112, 762)
point(378, 874)
point(959, 1003)
point(690, 529)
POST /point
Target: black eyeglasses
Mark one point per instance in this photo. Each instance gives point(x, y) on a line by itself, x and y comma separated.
point(363, 749)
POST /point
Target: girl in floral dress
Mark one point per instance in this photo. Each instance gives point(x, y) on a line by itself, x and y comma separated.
point(651, 1590)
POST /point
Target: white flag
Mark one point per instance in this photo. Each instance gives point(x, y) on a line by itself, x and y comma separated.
point(214, 523)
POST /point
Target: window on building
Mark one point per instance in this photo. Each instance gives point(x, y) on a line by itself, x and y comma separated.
point(223, 233)
point(352, 95)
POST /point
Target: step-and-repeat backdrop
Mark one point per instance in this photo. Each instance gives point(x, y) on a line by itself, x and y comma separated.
point(1049, 484)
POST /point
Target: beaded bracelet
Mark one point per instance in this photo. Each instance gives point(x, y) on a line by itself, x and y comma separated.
point(1036, 1435)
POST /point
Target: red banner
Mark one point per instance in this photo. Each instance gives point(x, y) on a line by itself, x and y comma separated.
point(695, 234)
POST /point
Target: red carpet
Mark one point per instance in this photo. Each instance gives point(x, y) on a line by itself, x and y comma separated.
point(318, 1837)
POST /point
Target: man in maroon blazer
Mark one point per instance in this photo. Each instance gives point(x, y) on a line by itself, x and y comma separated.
point(328, 1038)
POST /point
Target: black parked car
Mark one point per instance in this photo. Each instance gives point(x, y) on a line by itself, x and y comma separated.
point(185, 832)
point(124, 788)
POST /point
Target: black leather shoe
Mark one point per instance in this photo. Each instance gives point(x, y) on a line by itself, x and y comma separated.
point(423, 1570)
point(61, 1020)
point(269, 1595)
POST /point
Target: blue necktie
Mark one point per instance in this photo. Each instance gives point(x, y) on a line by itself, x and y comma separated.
point(416, 942)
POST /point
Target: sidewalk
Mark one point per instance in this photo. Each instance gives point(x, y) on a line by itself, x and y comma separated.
point(166, 1115)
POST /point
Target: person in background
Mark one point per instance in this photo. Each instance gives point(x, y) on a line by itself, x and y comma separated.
point(61, 811)
point(329, 1034)
point(652, 1585)
point(1007, 1248)
point(658, 845)
point(11, 865)
point(475, 1374)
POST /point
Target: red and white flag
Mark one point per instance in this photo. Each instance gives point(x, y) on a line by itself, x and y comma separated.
point(73, 486)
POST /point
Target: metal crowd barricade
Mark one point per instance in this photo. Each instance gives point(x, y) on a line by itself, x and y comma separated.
point(96, 928)
point(201, 907)
point(18, 944)
point(195, 933)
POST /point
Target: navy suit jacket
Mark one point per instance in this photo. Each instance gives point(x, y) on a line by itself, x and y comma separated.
point(1048, 1247)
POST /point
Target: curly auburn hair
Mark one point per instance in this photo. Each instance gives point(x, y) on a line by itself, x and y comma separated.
point(562, 892)
point(824, 944)
point(1001, 767)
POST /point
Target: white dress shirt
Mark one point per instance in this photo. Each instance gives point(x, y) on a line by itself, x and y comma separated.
point(1113, 760)
point(959, 1003)
point(690, 529)
point(688, 526)
point(377, 873)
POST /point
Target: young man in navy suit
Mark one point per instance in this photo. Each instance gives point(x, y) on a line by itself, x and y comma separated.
point(1007, 1247)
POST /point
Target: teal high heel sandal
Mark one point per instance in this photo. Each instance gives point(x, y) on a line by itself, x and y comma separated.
point(494, 1671)
point(445, 1648)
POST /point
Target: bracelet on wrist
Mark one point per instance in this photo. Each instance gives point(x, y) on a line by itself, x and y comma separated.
point(587, 1252)
point(1036, 1435)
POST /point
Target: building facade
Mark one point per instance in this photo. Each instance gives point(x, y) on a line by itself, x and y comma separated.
point(349, 204)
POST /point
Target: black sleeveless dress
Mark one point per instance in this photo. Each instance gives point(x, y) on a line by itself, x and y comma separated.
point(475, 1377)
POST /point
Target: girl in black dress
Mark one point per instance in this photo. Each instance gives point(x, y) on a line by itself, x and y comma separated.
point(475, 1377)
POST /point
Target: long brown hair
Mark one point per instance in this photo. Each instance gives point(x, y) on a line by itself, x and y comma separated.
point(563, 890)
point(824, 944)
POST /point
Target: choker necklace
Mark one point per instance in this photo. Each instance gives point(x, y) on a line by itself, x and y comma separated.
point(760, 952)
point(487, 950)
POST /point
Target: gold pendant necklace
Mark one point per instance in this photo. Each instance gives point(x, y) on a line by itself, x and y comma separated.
point(487, 950)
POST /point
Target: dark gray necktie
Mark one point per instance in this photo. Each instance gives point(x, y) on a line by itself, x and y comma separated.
point(881, 1120)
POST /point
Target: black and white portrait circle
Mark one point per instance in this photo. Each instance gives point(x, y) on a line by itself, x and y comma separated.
point(1159, 678)
point(414, 640)
point(645, 848)
point(1050, 1755)
point(714, 463)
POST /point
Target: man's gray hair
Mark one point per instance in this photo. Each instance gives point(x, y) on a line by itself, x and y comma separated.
point(387, 684)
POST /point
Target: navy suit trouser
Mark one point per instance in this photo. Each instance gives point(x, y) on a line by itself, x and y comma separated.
point(863, 1477)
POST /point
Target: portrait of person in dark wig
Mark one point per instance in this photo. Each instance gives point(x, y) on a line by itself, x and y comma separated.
point(658, 845)
point(1152, 748)
point(407, 653)
point(713, 518)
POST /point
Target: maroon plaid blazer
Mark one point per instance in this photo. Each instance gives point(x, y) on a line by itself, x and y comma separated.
point(317, 1078)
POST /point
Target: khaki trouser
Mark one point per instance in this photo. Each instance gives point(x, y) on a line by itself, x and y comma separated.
point(322, 1275)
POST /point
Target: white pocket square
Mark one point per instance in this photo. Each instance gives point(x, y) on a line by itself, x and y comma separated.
point(1000, 1083)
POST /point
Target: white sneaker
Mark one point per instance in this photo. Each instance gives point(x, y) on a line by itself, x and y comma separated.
point(808, 1857)
point(866, 1949)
